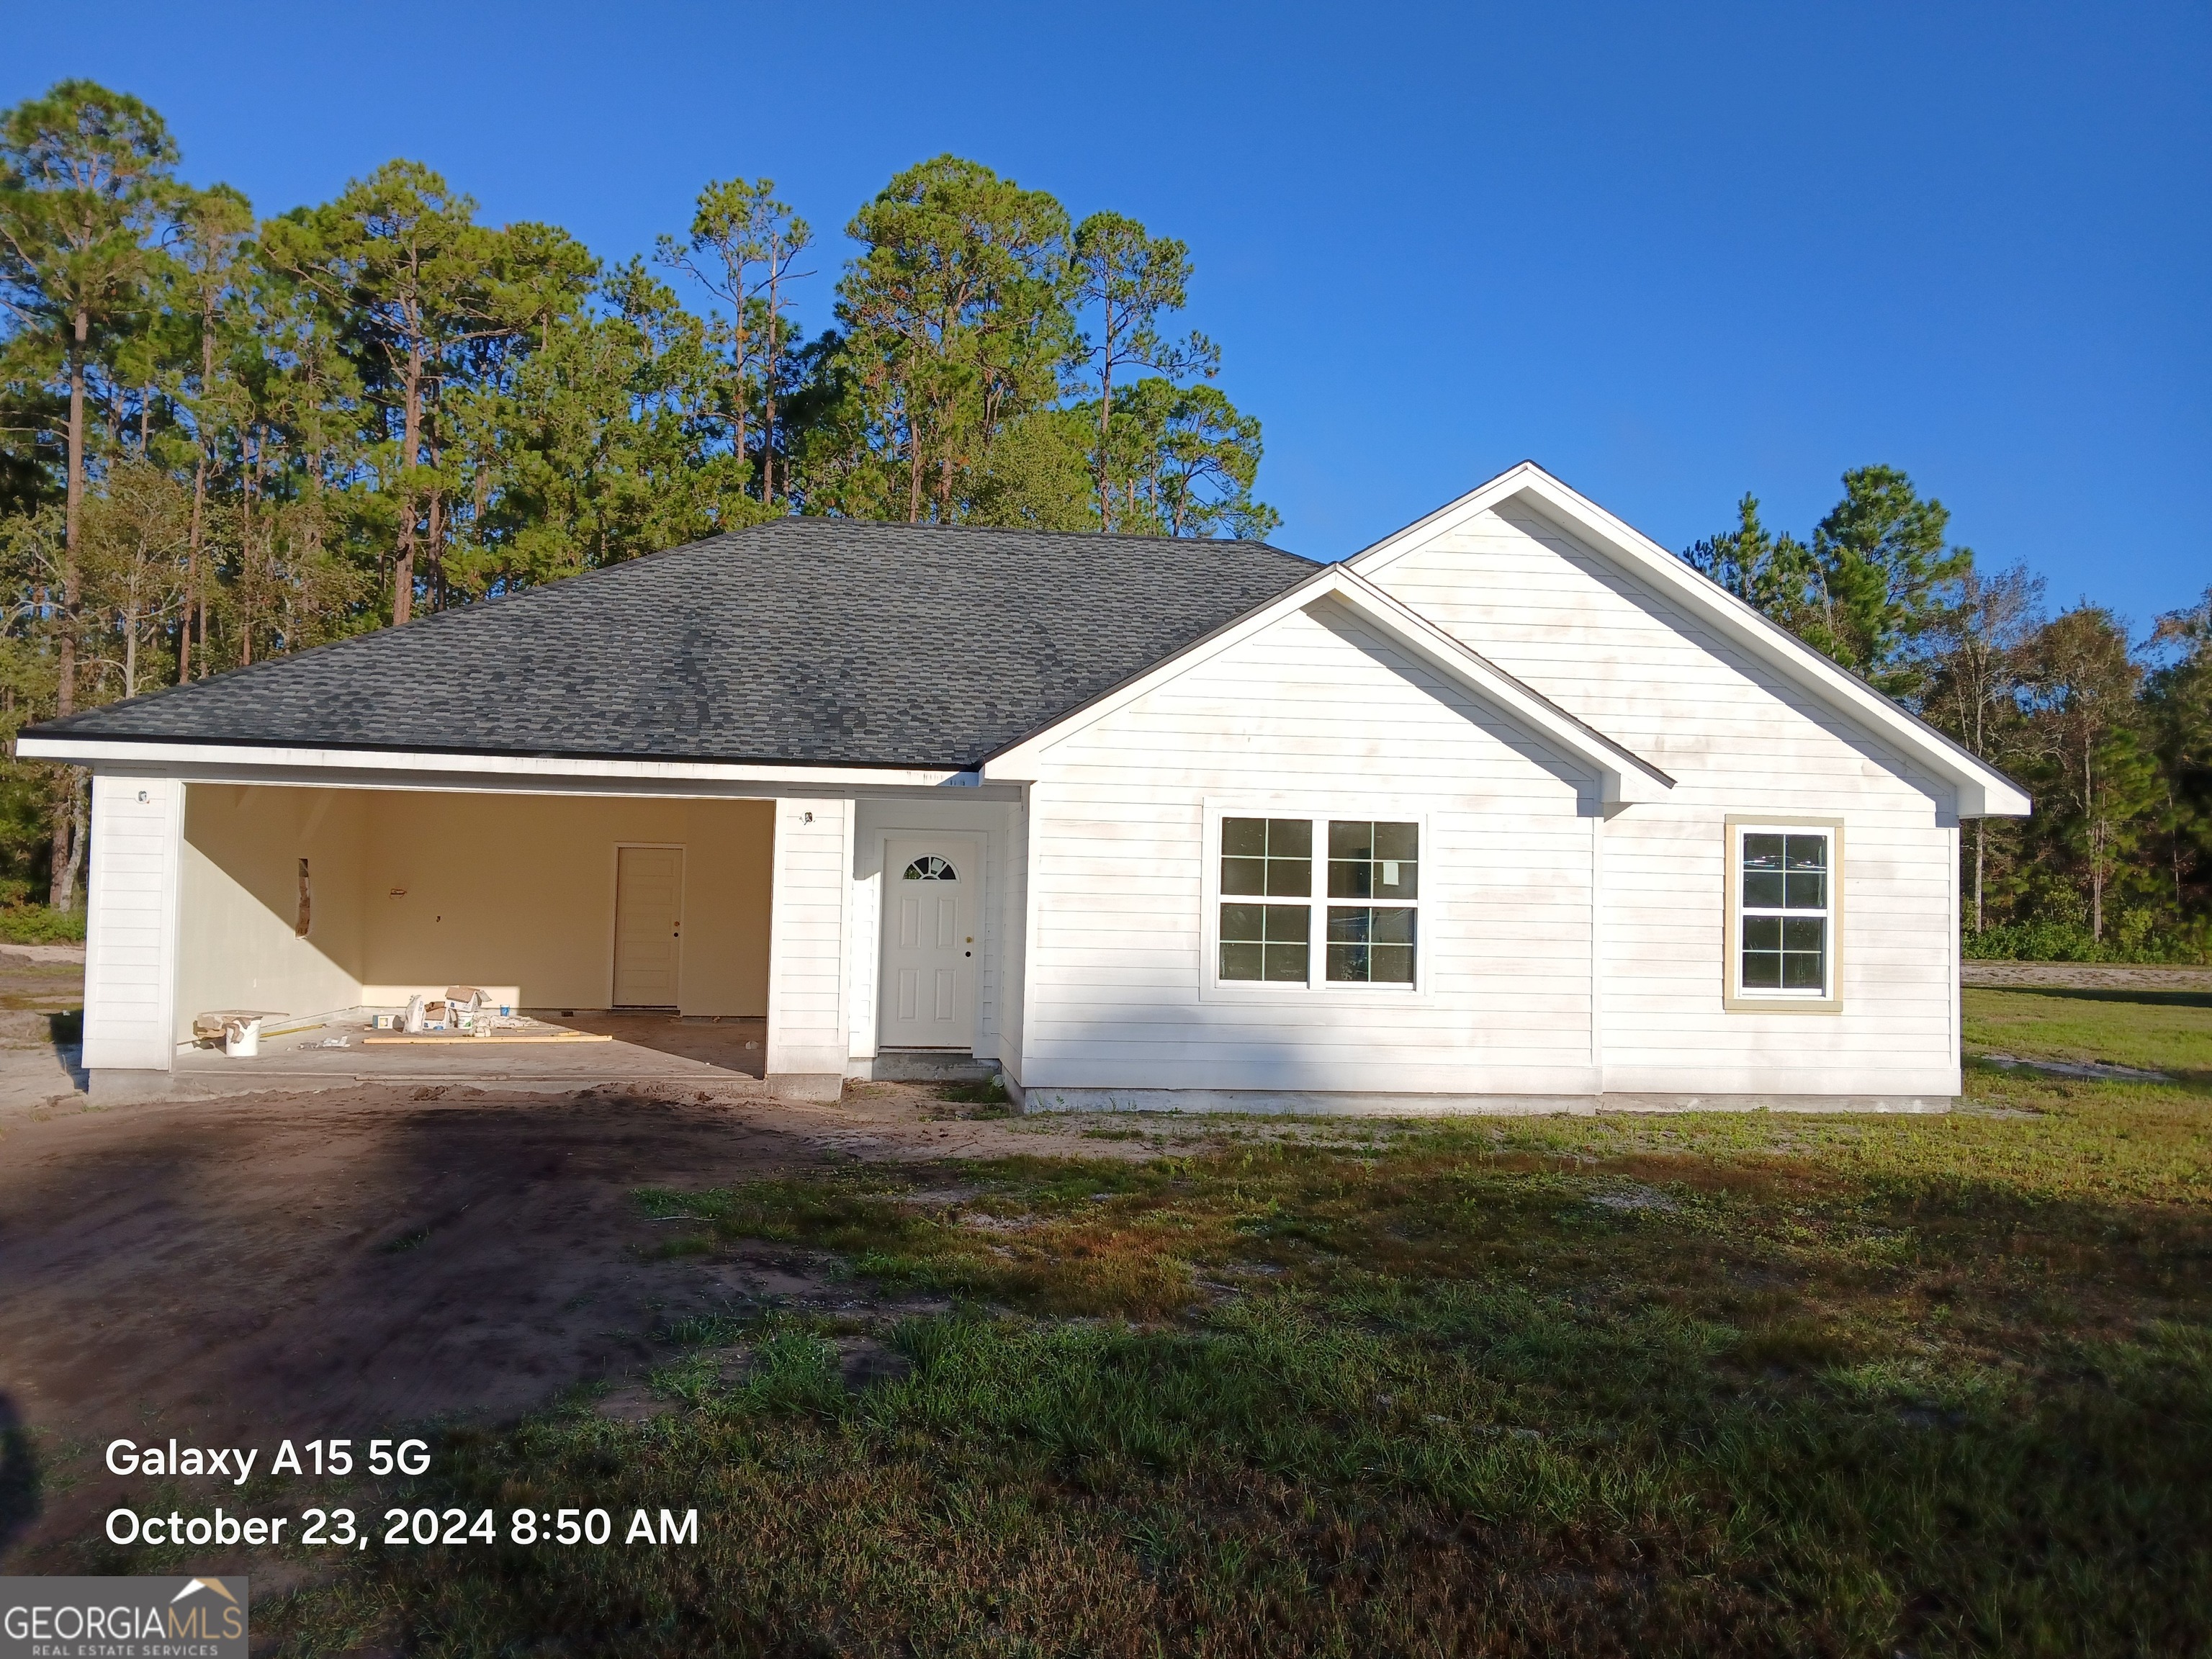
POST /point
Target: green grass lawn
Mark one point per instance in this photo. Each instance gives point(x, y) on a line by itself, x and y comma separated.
point(1664, 1385)
point(2157, 1030)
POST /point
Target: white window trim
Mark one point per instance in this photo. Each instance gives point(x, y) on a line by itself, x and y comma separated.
point(1318, 989)
point(1734, 997)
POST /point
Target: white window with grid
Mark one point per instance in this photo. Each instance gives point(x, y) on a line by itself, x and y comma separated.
point(1316, 902)
point(1785, 890)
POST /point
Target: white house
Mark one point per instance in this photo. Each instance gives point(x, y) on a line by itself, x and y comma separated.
point(1511, 810)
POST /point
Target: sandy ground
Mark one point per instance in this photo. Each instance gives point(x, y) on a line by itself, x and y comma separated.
point(2084, 977)
point(291, 1252)
point(41, 989)
point(350, 1261)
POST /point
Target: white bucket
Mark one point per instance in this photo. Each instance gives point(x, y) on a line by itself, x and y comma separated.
point(242, 1037)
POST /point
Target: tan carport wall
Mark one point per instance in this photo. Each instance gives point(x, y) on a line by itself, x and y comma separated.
point(193, 885)
point(411, 891)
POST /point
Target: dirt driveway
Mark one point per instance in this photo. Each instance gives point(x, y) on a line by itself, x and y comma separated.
point(345, 1262)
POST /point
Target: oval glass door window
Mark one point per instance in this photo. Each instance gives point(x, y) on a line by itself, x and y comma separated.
point(930, 868)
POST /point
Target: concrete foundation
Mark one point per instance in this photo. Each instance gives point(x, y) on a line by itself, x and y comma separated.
point(806, 1085)
point(723, 1056)
point(923, 1065)
point(1297, 1103)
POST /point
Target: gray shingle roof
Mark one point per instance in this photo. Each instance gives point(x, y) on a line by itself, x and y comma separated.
point(822, 640)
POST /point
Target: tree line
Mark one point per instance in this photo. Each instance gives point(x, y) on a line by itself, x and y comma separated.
point(2111, 732)
point(225, 437)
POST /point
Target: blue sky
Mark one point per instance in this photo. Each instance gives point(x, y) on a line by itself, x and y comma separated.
point(1672, 252)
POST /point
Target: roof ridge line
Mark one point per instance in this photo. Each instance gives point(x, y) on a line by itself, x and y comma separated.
point(828, 518)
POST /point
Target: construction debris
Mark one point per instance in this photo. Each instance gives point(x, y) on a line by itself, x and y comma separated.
point(550, 1035)
point(464, 1015)
point(240, 1031)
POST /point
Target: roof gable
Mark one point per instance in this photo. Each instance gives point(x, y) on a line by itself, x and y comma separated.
point(1623, 776)
point(1983, 791)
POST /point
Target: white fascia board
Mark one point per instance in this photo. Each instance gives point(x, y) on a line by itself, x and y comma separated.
point(1623, 776)
point(1983, 791)
point(1453, 513)
point(409, 768)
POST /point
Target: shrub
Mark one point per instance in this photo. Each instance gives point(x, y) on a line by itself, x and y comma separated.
point(39, 924)
point(2133, 937)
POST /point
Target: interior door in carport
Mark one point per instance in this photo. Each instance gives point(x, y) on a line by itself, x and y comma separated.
point(929, 945)
point(648, 926)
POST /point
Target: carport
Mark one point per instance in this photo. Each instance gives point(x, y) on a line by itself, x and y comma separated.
point(298, 901)
point(639, 925)
point(707, 917)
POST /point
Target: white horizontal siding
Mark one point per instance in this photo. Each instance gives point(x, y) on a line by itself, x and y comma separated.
point(1738, 739)
point(1014, 912)
point(809, 932)
point(131, 926)
point(1325, 714)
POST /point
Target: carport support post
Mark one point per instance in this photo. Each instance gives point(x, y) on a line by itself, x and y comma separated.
point(131, 922)
point(810, 934)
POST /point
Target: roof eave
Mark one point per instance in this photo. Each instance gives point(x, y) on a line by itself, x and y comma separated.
point(212, 757)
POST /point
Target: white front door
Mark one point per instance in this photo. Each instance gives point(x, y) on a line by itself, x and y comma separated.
point(929, 945)
point(648, 926)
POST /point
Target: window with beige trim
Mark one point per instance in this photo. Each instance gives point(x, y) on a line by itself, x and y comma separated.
point(1784, 884)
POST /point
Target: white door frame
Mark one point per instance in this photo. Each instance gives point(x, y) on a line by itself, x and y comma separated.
point(978, 841)
point(614, 906)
